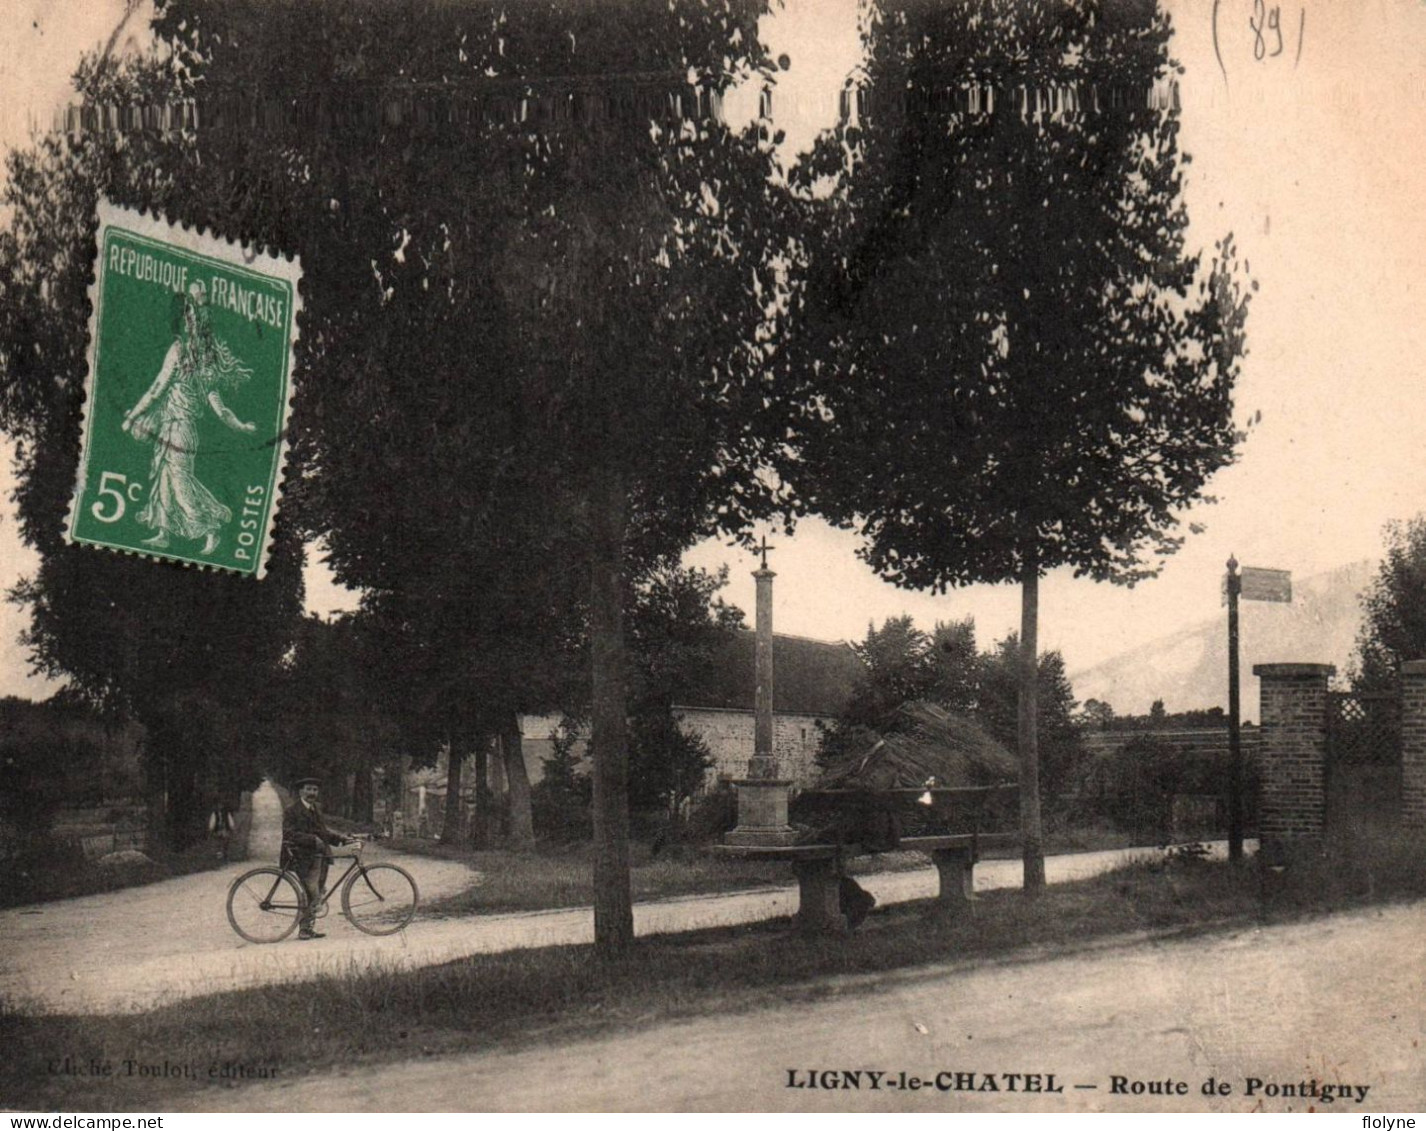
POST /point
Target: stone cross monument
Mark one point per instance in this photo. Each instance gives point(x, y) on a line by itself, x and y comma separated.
point(762, 795)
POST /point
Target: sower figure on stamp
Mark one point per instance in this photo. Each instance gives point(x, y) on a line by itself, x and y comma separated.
point(195, 370)
point(307, 848)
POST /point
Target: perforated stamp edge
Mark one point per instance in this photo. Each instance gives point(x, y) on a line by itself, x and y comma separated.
point(201, 241)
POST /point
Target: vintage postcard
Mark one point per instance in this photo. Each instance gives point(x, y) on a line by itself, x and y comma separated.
point(189, 385)
point(341, 840)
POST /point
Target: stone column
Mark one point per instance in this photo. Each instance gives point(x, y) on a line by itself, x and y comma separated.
point(764, 761)
point(762, 795)
point(1413, 745)
point(956, 868)
point(819, 900)
point(1293, 750)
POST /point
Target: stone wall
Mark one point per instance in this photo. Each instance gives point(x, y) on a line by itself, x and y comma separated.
point(729, 735)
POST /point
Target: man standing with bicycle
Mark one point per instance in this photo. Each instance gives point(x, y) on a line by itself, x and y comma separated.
point(307, 848)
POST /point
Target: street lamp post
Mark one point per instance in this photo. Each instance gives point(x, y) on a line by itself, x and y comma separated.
point(1235, 744)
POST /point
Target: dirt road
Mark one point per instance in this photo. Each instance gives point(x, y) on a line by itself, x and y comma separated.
point(134, 948)
point(130, 950)
point(1289, 1008)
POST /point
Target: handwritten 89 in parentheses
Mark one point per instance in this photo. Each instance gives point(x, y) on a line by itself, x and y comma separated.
point(1258, 31)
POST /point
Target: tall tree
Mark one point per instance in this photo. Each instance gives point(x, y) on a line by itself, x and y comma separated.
point(1061, 744)
point(1031, 372)
point(186, 652)
point(563, 309)
point(1394, 610)
point(902, 664)
point(332, 713)
point(677, 622)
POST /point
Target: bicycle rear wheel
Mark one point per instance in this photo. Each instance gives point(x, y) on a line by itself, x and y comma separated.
point(380, 899)
point(264, 905)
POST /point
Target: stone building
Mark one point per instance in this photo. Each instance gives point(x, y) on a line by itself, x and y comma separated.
point(812, 683)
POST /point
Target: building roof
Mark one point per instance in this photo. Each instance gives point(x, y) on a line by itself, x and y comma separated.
point(923, 744)
point(810, 677)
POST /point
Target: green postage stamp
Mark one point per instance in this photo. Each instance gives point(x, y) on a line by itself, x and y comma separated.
point(190, 378)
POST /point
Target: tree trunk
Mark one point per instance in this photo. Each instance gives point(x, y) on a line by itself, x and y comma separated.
point(1028, 727)
point(479, 812)
point(175, 811)
point(337, 795)
point(613, 902)
point(363, 802)
point(522, 819)
point(450, 826)
point(186, 820)
point(497, 790)
point(155, 794)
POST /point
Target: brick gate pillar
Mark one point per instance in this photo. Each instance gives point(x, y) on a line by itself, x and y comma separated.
point(1293, 754)
point(1413, 744)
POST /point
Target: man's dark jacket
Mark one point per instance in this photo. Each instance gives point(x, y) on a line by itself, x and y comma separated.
point(304, 835)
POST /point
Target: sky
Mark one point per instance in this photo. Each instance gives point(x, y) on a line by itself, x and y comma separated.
point(1310, 156)
point(1313, 163)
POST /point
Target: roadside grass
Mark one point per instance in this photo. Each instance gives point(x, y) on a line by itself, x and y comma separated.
point(1066, 837)
point(553, 876)
point(62, 871)
point(550, 877)
point(563, 993)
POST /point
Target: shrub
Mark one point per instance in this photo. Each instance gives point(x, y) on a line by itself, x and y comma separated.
point(32, 788)
point(559, 801)
point(667, 766)
point(712, 815)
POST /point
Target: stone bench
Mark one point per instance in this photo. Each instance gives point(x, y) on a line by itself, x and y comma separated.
point(818, 871)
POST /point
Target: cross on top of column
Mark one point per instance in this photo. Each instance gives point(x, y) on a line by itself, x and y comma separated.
point(763, 549)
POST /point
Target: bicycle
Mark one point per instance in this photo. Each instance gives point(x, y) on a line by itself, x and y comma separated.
point(266, 904)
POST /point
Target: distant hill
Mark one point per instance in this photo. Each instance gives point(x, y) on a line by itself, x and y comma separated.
point(1188, 669)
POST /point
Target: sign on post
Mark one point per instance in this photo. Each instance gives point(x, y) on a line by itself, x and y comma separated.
point(1251, 585)
point(1266, 585)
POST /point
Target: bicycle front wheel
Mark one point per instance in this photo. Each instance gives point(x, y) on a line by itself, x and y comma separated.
point(380, 899)
point(264, 905)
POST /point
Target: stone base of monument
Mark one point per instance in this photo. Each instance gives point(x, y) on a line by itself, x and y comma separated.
point(762, 814)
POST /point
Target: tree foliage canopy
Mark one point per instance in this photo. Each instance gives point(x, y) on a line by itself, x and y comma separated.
point(904, 665)
point(1394, 610)
point(1060, 745)
point(535, 347)
point(1018, 363)
point(500, 309)
point(186, 652)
